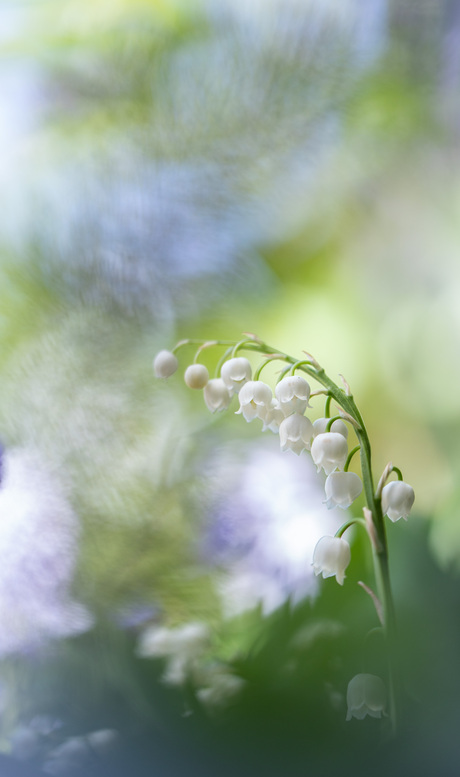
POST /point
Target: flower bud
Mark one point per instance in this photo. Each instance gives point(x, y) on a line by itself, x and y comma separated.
point(329, 451)
point(331, 557)
point(216, 395)
point(342, 488)
point(366, 695)
point(196, 376)
point(397, 500)
point(255, 400)
point(293, 393)
point(295, 433)
point(235, 373)
point(319, 426)
point(164, 364)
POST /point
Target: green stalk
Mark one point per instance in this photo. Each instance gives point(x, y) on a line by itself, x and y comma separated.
point(378, 532)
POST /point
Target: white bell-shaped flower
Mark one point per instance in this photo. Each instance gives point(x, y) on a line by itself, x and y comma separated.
point(295, 433)
point(342, 488)
point(255, 400)
point(397, 500)
point(235, 373)
point(331, 557)
point(273, 418)
point(293, 393)
point(196, 376)
point(216, 395)
point(366, 695)
point(329, 451)
point(164, 364)
point(319, 426)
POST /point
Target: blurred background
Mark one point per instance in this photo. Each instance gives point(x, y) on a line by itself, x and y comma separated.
point(202, 168)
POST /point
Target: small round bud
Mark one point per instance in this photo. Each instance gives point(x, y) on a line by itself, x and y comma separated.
point(164, 364)
point(196, 376)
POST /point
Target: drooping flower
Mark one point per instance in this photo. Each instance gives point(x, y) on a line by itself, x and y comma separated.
point(331, 557)
point(293, 393)
point(397, 500)
point(196, 376)
point(255, 400)
point(342, 488)
point(235, 373)
point(216, 395)
point(295, 433)
point(319, 426)
point(273, 418)
point(366, 695)
point(164, 364)
point(329, 451)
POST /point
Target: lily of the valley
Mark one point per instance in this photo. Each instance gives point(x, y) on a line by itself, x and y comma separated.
point(196, 376)
point(164, 364)
point(255, 400)
point(216, 395)
point(235, 373)
point(366, 695)
point(274, 417)
point(329, 451)
point(319, 426)
point(295, 433)
point(293, 393)
point(397, 500)
point(331, 557)
point(342, 488)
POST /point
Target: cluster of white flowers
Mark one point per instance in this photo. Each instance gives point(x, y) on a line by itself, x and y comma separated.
point(284, 413)
point(184, 649)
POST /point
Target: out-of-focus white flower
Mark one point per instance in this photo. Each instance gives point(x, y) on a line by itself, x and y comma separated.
point(220, 687)
point(235, 373)
point(196, 376)
point(319, 426)
point(255, 400)
point(65, 759)
point(273, 418)
point(165, 364)
point(38, 548)
point(293, 393)
point(181, 646)
point(342, 488)
point(329, 451)
point(397, 500)
point(366, 695)
point(295, 433)
point(103, 740)
point(76, 753)
point(331, 557)
point(159, 641)
point(216, 395)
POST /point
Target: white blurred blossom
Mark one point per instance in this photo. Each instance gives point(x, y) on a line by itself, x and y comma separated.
point(38, 547)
